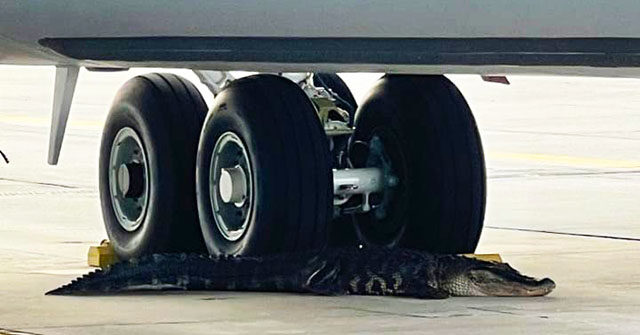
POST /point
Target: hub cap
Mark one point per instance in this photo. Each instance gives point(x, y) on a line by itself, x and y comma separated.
point(128, 179)
point(230, 186)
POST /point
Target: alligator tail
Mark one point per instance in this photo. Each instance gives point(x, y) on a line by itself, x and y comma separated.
point(190, 272)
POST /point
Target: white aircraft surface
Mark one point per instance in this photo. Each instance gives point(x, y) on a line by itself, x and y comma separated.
point(288, 162)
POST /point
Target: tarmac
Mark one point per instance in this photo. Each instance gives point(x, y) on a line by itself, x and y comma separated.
point(563, 170)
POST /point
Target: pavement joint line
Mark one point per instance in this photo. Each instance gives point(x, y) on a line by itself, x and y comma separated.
point(46, 122)
point(564, 159)
point(560, 134)
point(47, 192)
point(562, 174)
point(123, 324)
point(566, 233)
point(44, 254)
point(567, 253)
point(5, 331)
point(38, 183)
point(410, 315)
point(23, 129)
point(492, 310)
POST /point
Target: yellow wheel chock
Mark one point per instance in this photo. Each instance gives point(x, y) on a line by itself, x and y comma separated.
point(102, 256)
point(485, 257)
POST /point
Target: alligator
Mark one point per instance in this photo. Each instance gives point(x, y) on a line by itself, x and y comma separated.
point(333, 271)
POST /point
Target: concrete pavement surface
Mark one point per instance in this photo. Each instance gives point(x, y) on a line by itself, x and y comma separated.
point(563, 164)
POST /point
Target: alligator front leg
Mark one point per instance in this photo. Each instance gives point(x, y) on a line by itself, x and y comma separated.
point(423, 291)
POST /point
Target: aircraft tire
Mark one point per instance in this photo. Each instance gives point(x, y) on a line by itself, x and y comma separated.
point(147, 166)
point(422, 127)
point(264, 179)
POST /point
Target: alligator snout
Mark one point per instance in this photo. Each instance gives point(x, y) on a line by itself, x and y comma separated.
point(492, 279)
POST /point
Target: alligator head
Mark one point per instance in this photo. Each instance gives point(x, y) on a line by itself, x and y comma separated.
point(469, 277)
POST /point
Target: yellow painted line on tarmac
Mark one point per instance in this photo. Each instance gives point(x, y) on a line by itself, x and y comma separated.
point(22, 120)
point(565, 160)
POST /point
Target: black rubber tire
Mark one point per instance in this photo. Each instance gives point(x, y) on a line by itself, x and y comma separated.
point(433, 142)
point(167, 112)
point(333, 82)
point(289, 154)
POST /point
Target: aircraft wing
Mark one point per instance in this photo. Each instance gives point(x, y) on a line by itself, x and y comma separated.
point(593, 37)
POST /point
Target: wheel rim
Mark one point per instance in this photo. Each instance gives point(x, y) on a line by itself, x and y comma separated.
point(231, 186)
point(379, 228)
point(378, 157)
point(128, 179)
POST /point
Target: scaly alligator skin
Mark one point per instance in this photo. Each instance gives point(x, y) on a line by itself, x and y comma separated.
point(369, 271)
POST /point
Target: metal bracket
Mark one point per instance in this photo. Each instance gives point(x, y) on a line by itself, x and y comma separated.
point(496, 79)
point(214, 80)
point(65, 85)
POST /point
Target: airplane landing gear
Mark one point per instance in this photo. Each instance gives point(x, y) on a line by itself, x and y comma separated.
point(278, 166)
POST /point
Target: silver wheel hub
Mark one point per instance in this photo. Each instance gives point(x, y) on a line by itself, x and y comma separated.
point(128, 179)
point(379, 158)
point(230, 186)
point(233, 185)
point(123, 179)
